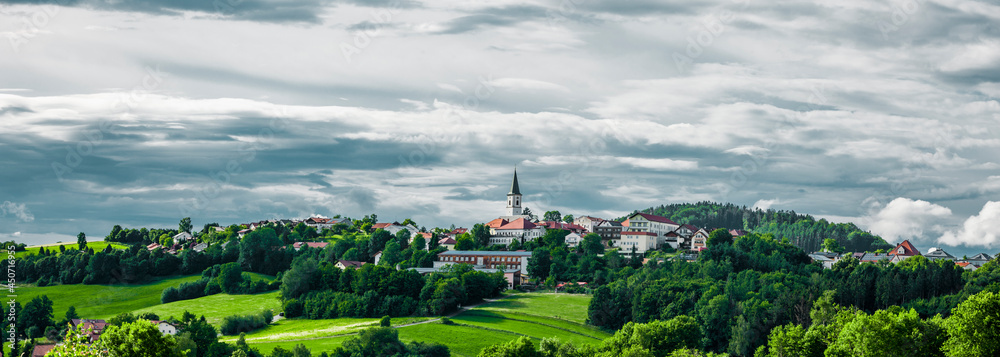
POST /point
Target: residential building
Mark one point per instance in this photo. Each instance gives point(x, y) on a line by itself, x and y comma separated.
point(639, 242)
point(654, 229)
point(610, 231)
point(41, 350)
point(825, 258)
point(587, 222)
point(165, 328)
point(427, 238)
point(485, 259)
point(447, 242)
point(573, 240)
point(344, 264)
point(699, 239)
point(96, 327)
point(519, 229)
point(979, 259)
point(513, 276)
point(904, 250)
point(395, 227)
point(182, 237)
point(938, 254)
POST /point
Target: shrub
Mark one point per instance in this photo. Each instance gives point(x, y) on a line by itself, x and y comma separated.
point(232, 325)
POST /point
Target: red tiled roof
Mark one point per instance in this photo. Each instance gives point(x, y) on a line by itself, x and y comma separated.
point(963, 264)
point(426, 235)
point(496, 223)
point(908, 249)
point(381, 225)
point(690, 227)
point(320, 245)
point(653, 218)
point(458, 231)
point(519, 223)
point(448, 240)
point(42, 350)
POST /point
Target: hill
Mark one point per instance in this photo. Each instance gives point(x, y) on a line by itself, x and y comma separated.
point(54, 248)
point(802, 230)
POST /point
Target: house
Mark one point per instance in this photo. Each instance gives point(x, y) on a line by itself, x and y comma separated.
point(243, 232)
point(520, 228)
point(41, 350)
point(395, 227)
point(378, 257)
point(699, 239)
point(318, 222)
point(737, 233)
point(639, 242)
point(646, 232)
point(967, 266)
point(165, 328)
point(938, 254)
point(562, 225)
point(904, 250)
point(457, 231)
point(447, 242)
point(485, 259)
point(182, 237)
point(344, 264)
point(588, 222)
point(153, 247)
point(980, 259)
point(200, 247)
point(314, 245)
point(95, 327)
point(825, 258)
point(874, 257)
point(573, 240)
point(610, 231)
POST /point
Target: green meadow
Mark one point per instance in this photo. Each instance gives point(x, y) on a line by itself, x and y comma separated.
point(102, 301)
point(96, 246)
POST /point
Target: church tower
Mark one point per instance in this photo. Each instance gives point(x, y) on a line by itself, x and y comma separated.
point(514, 198)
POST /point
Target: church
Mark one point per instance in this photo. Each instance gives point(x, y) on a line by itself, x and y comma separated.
point(515, 225)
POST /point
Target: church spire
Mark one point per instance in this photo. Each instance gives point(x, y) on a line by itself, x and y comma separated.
point(514, 190)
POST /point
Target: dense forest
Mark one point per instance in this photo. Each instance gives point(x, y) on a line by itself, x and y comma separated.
point(803, 231)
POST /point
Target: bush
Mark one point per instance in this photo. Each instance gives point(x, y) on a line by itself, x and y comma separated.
point(232, 325)
point(293, 308)
point(385, 321)
point(446, 321)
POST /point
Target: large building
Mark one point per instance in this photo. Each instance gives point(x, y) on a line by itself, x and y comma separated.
point(515, 225)
point(485, 259)
point(645, 232)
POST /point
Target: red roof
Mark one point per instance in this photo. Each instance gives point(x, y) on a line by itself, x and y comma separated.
point(908, 249)
point(426, 235)
point(496, 223)
point(634, 233)
point(42, 350)
point(963, 264)
point(320, 245)
point(519, 223)
point(96, 327)
point(653, 218)
point(447, 240)
point(317, 220)
point(458, 231)
point(381, 225)
point(690, 227)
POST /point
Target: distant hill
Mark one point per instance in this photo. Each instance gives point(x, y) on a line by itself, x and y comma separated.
point(802, 230)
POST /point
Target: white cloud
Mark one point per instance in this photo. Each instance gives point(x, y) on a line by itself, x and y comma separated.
point(979, 230)
point(904, 218)
point(765, 204)
point(18, 210)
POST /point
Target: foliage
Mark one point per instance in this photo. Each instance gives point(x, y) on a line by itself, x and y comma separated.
point(974, 327)
point(384, 342)
point(138, 339)
point(76, 343)
point(232, 325)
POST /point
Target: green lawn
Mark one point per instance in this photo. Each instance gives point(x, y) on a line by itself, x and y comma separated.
point(461, 340)
point(96, 246)
point(215, 307)
point(533, 326)
point(571, 307)
point(102, 301)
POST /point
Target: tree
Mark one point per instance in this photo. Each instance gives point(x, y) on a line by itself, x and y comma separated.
point(539, 264)
point(403, 238)
point(568, 218)
point(888, 333)
point(385, 321)
point(70, 316)
point(521, 347)
point(81, 241)
point(138, 339)
point(372, 342)
point(719, 237)
point(552, 216)
point(831, 245)
point(465, 242)
point(300, 350)
point(592, 244)
point(37, 313)
point(185, 225)
point(527, 212)
point(230, 278)
point(76, 343)
point(480, 234)
point(392, 254)
point(419, 242)
point(974, 327)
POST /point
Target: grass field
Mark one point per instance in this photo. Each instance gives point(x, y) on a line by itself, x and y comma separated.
point(96, 246)
point(569, 307)
point(102, 301)
point(535, 315)
point(217, 306)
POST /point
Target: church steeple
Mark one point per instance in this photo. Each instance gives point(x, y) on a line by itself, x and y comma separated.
point(514, 198)
point(514, 190)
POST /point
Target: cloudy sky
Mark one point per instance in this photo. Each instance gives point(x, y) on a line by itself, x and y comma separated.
point(141, 112)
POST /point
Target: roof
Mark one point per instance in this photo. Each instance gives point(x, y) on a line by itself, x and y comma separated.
point(320, 245)
point(486, 252)
point(514, 190)
point(447, 240)
point(981, 256)
point(519, 223)
point(610, 223)
point(737, 232)
point(381, 225)
point(938, 253)
point(874, 257)
point(485, 270)
point(653, 218)
point(634, 233)
point(463, 230)
point(350, 263)
point(908, 249)
point(690, 227)
point(426, 234)
point(42, 350)
point(496, 223)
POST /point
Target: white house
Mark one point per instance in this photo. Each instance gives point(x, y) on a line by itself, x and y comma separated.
point(657, 227)
point(518, 229)
point(587, 222)
point(573, 240)
point(165, 328)
point(393, 228)
point(641, 241)
point(182, 237)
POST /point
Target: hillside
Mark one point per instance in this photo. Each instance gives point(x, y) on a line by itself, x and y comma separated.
point(535, 315)
point(802, 230)
point(103, 301)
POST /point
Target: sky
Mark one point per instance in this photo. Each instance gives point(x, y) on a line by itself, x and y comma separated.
point(139, 113)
